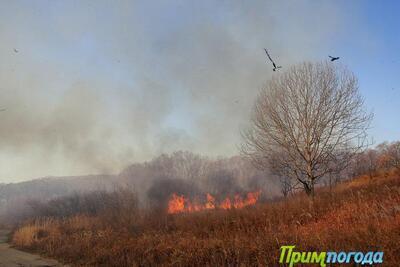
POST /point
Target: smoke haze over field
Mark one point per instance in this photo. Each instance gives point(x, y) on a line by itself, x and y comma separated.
point(96, 85)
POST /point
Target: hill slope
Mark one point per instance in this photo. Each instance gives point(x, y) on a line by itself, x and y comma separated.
point(361, 215)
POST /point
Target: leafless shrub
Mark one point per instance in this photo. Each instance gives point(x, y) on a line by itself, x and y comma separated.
point(163, 188)
point(222, 183)
point(93, 203)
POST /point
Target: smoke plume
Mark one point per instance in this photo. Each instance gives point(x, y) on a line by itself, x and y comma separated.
point(94, 86)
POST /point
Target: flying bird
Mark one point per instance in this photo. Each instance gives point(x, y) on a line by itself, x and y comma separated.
point(16, 50)
point(334, 58)
point(273, 63)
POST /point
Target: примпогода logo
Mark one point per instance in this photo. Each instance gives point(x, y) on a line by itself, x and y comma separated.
point(330, 257)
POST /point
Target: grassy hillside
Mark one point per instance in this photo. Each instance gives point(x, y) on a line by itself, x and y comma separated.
point(363, 215)
point(15, 198)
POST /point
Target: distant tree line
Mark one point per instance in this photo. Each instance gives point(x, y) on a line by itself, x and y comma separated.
point(380, 160)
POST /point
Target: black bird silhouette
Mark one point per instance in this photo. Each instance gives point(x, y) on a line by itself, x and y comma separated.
point(273, 63)
point(334, 58)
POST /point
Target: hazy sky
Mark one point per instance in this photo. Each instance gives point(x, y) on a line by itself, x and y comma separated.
point(96, 85)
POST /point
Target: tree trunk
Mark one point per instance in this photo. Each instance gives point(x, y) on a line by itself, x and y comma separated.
point(309, 189)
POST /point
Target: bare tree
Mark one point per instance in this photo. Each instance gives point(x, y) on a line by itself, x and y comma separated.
point(371, 158)
point(188, 165)
point(180, 164)
point(287, 186)
point(313, 117)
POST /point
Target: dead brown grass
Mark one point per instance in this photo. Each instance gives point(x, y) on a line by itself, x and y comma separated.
point(362, 215)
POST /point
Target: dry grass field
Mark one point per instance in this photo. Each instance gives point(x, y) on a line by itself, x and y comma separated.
point(363, 215)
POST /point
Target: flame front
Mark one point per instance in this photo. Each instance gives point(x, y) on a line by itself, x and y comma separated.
point(178, 204)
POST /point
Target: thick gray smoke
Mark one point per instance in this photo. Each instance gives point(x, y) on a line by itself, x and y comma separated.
point(94, 86)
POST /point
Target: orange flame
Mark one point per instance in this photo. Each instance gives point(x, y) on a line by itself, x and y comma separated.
point(178, 204)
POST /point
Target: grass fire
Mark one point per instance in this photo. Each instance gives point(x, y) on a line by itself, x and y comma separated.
point(178, 204)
